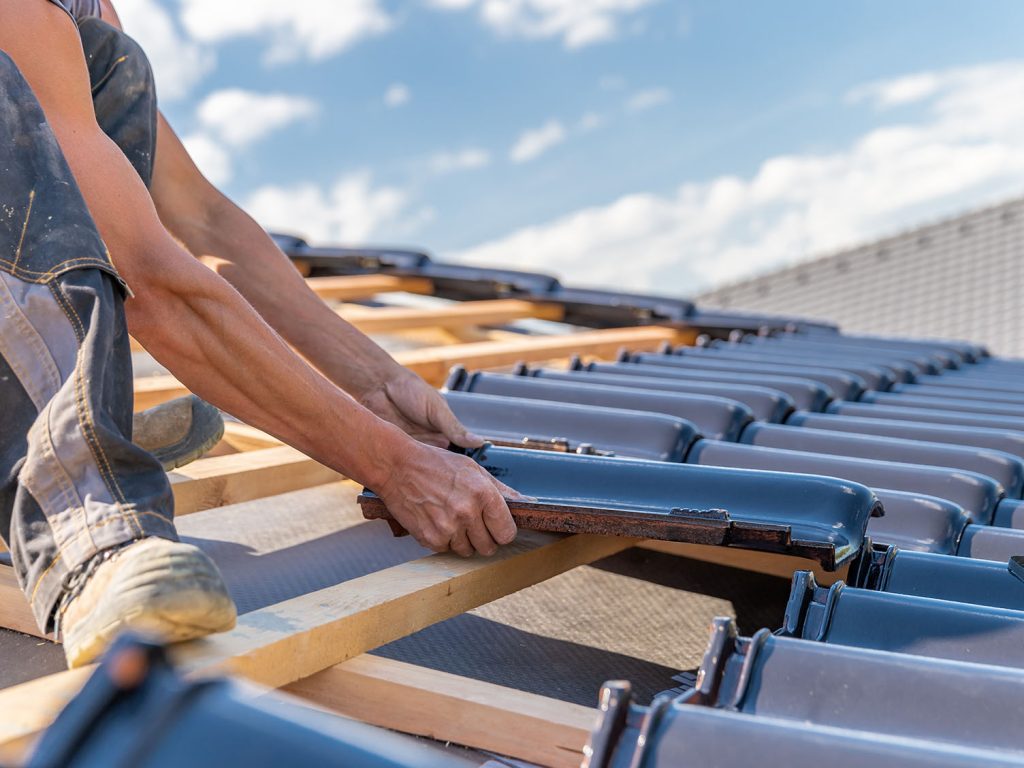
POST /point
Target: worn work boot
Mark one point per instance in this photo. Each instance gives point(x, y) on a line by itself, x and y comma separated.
point(166, 589)
point(178, 431)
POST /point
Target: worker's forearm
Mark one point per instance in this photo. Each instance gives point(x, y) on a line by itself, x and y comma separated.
point(210, 337)
point(220, 349)
point(250, 261)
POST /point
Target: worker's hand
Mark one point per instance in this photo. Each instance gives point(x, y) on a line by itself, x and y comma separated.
point(448, 501)
point(408, 402)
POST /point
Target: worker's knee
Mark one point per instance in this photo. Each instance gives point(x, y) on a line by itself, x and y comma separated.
point(123, 92)
point(114, 59)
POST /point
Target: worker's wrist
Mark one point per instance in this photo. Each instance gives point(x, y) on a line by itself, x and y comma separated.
point(385, 448)
point(375, 374)
point(382, 379)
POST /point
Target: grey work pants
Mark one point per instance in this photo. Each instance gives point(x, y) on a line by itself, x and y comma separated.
point(72, 484)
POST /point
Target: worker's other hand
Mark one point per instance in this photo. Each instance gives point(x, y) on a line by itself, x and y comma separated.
point(449, 502)
point(408, 402)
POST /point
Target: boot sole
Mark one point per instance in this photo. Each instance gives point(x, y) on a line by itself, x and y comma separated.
point(154, 624)
point(176, 596)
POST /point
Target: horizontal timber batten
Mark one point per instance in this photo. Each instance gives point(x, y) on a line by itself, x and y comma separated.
point(433, 364)
point(222, 480)
point(768, 563)
point(153, 390)
point(243, 438)
point(348, 288)
point(445, 707)
point(497, 312)
point(355, 287)
point(15, 613)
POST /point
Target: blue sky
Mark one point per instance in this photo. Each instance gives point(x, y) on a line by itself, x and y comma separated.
point(643, 143)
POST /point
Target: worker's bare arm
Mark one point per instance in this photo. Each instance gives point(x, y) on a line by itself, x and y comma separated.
point(199, 326)
point(212, 226)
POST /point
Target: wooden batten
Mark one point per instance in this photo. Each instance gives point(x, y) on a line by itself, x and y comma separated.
point(153, 390)
point(433, 364)
point(467, 313)
point(242, 437)
point(355, 287)
point(338, 623)
point(768, 563)
point(223, 480)
point(451, 708)
point(351, 287)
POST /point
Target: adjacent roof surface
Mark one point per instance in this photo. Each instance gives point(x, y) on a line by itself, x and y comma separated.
point(960, 278)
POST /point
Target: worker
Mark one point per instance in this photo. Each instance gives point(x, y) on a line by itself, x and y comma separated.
point(108, 228)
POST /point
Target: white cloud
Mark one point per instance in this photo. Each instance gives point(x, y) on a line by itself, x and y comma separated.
point(967, 148)
point(350, 210)
point(211, 158)
point(239, 118)
point(232, 119)
point(532, 144)
point(178, 63)
point(313, 29)
point(453, 5)
point(577, 22)
point(648, 99)
point(396, 95)
point(469, 159)
point(897, 92)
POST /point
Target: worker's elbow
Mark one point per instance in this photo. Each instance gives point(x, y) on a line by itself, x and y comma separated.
point(149, 312)
point(159, 295)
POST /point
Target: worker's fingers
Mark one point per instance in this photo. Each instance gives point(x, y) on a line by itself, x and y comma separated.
point(481, 538)
point(433, 533)
point(434, 541)
point(460, 544)
point(499, 522)
point(509, 493)
point(435, 439)
point(445, 422)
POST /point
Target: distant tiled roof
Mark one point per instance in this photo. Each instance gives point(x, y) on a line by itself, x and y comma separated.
point(961, 278)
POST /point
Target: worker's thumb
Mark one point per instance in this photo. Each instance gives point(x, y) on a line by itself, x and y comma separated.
point(448, 425)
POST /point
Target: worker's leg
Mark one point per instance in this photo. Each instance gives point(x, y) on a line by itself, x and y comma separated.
point(82, 487)
point(74, 488)
point(124, 98)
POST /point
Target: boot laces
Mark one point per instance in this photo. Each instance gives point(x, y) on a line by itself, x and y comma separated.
point(75, 580)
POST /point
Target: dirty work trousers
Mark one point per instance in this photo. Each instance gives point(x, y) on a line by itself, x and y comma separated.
point(72, 484)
